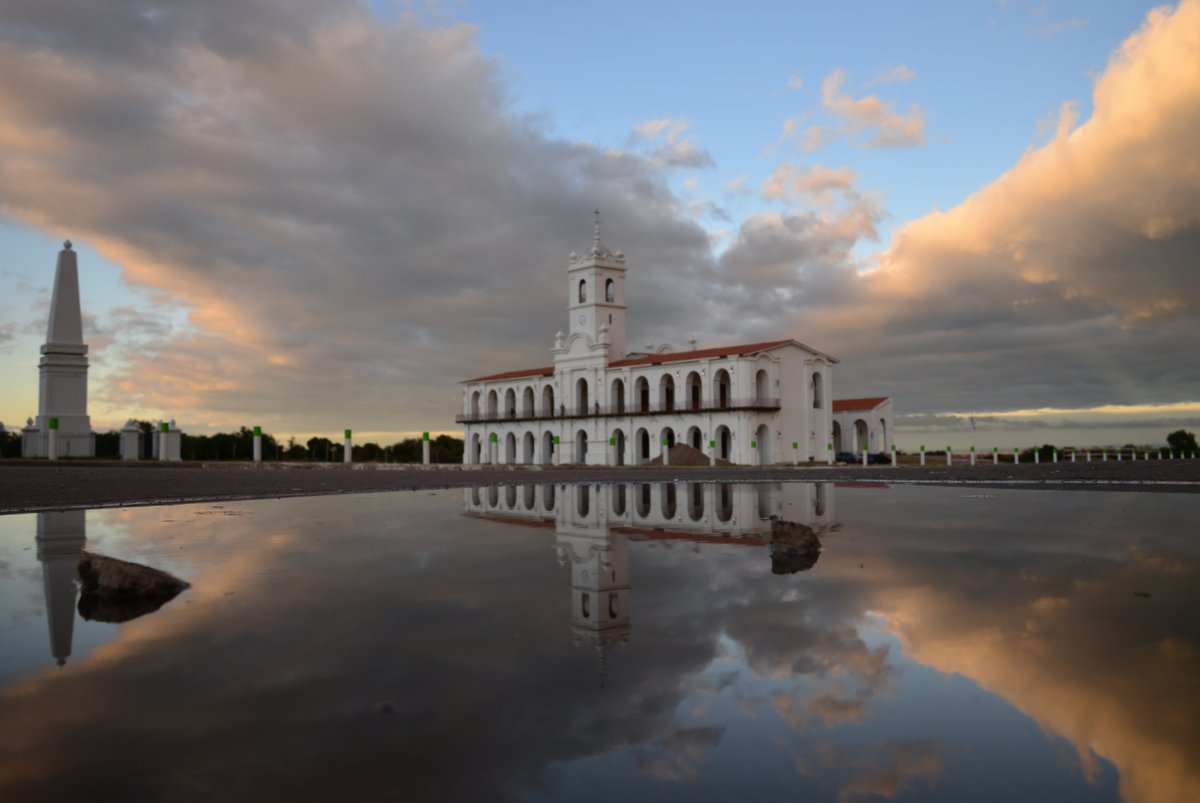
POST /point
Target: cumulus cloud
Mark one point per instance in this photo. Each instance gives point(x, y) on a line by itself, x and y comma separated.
point(670, 144)
point(347, 207)
point(872, 116)
point(817, 183)
point(893, 75)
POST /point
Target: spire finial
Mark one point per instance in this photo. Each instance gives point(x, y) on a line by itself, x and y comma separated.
point(597, 228)
point(67, 243)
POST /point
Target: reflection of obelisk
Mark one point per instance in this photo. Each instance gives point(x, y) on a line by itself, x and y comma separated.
point(599, 569)
point(60, 542)
point(64, 369)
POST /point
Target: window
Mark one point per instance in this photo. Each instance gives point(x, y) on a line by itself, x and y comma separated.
point(582, 290)
point(610, 291)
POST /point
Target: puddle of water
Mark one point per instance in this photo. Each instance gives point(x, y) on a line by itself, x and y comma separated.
point(551, 642)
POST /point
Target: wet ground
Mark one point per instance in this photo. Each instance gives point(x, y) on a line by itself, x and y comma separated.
point(38, 485)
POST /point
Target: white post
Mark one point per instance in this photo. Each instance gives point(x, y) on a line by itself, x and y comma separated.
point(1055, 456)
point(829, 454)
point(795, 453)
point(52, 447)
point(557, 451)
point(712, 453)
point(162, 441)
point(864, 457)
point(1037, 455)
point(424, 448)
point(1089, 455)
point(1016, 455)
point(1072, 455)
point(949, 455)
point(348, 450)
point(922, 455)
point(1104, 455)
point(666, 453)
point(1119, 455)
point(995, 455)
point(258, 444)
point(972, 455)
point(893, 455)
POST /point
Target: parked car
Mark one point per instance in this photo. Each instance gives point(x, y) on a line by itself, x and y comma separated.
point(879, 459)
point(848, 457)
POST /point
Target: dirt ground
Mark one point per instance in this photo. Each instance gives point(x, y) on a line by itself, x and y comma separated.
point(27, 486)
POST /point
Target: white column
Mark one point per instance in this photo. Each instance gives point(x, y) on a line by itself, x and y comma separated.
point(1037, 455)
point(425, 448)
point(864, 457)
point(1054, 457)
point(829, 453)
point(922, 455)
point(666, 454)
point(972, 455)
point(258, 444)
point(995, 455)
point(893, 455)
point(348, 450)
point(52, 450)
point(712, 455)
point(162, 442)
point(949, 455)
point(795, 453)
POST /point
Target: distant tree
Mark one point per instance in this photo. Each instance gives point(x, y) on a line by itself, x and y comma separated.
point(108, 444)
point(1045, 453)
point(10, 443)
point(1182, 441)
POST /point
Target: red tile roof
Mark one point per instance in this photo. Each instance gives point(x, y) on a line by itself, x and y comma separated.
point(513, 375)
point(842, 405)
point(654, 359)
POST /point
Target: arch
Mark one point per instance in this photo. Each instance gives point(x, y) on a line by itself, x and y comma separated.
point(582, 291)
point(529, 492)
point(694, 391)
point(641, 392)
point(548, 400)
point(837, 437)
point(667, 437)
point(764, 501)
point(666, 393)
point(616, 396)
point(475, 496)
point(585, 605)
point(819, 499)
point(761, 386)
point(695, 501)
point(817, 391)
point(493, 403)
point(695, 438)
point(475, 398)
point(581, 396)
point(510, 497)
point(610, 291)
point(762, 438)
point(493, 496)
point(722, 389)
point(643, 500)
point(547, 448)
point(476, 454)
point(883, 444)
point(527, 402)
point(724, 509)
point(862, 438)
point(510, 448)
point(669, 495)
point(618, 437)
point(724, 441)
point(530, 448)
point(510, 403)
point(583, 499)
point(581, 446)
point(642, 444)
point(618, 500)
point(548, 497)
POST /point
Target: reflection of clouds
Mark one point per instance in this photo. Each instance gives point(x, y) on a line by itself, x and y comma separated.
point(675, 756)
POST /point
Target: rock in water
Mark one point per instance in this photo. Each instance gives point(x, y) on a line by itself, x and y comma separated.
point(117, 590)
point(794, 547)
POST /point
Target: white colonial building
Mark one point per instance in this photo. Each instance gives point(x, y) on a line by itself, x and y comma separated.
point(863, 425)
point(600, 404)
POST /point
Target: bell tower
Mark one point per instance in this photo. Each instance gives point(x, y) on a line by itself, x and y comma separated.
point(596, 295)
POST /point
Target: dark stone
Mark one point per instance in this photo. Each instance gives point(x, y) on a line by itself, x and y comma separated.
point(794, 547)
point(118, 591)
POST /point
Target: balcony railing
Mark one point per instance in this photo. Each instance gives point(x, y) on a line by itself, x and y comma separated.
point(622, 410)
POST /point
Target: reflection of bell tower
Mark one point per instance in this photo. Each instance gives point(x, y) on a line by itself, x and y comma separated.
point(599, 569)
point(60, 541)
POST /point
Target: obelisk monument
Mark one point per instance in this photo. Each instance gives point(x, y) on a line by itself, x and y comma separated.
point(62, 402)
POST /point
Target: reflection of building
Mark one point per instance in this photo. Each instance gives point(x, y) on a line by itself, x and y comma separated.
point(60, 541)
point(594, 523)
point(860, 424)
point(62, 401)
point(603, 404)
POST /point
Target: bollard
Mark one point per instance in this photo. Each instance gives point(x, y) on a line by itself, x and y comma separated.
point(1119, 455)
point(52, 437)
point(995, 455)
point(258, 444)
point(949, 455)
point(1089, 455)
point(972, 455)
point(922, 455)
point(347, 451)
point(557, 451)
point(666, 453)
point(1016, 454)
point(893, 455)
point(1037, 455)
point(829, 453)
point(1103, 455)
point(1054, 456)
point(712, 453)
point(424, 448)
point(795, 453)
point(1072, 455)
point(162, 441)
point(864, 457)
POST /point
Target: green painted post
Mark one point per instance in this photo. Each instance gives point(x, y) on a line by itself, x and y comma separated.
point(922, 454)
point(258, 432)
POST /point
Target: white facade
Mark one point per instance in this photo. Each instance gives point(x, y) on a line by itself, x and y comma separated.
point(860, 424)
point(62, 398)
point(752, 404)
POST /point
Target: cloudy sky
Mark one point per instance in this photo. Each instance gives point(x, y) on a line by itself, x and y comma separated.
point(319, 214)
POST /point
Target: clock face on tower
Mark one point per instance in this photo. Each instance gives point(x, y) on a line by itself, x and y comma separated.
point(582, 319)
